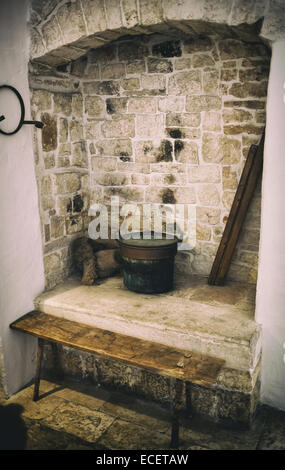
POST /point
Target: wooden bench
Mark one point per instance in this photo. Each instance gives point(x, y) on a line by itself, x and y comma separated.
point(177, 364)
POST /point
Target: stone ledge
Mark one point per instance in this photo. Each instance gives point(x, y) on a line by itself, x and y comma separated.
point(208, 319)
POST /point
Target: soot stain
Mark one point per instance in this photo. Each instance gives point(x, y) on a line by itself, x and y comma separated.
point(110, 107)
point(165, 152)
point(124, 157)
point(168, 197)
point(77, 203)
point(167, 49)
point(175, 133)
point(178, 146)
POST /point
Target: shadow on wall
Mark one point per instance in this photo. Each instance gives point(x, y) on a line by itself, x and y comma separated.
point(13, 432)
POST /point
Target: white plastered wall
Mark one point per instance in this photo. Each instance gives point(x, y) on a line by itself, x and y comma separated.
point(270, 308)
point(21, 265)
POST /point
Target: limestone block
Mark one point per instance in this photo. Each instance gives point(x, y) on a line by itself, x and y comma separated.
point(273, 27)
point(227, 199)
point(150, 128)
point(93, 130)
point(150, 12)
point(49, 160)
point(93, 71)
point(71, 22)
point(130, 84)
point(95, 106)
point(52, 262)
point(94, 13)
point(208, 215)
point(185, 83)
point(111, 179)
point(57, 226)
point(186, 151)
point(204, 174)
point(46, 185)
point(113, 14)
point(130, 13)
point(183, 133)
point(116, 147)
point(67, 183)
point(131, 50)
point(142, 105)
point(203, 232)
point(183, 120)
point(116, 105)
point(79, 155)
point(184, 9)
point(126, 194)
point(249, 89)
point(256, 74)
point(153, 82)
point(140, 179)
point(37, 45)
point(183, 63)
point(171, 104)
point(62, 103)
point(202, 60)
point(49, 132)
point(64, 149)
point(48, 203)
point(208, 195)
point(168, 179)
point(227, 75)
point(166, 195)
point(155, 65)
point(104, 164)
point(236, 115)
point(150, 152)
point(211, 82)
point(197, 44)
point(212, 121)
point(41, 100)
point(235, 49)
point(220, 148)
point(76, 130)
point(243, 129)
point(135, 66)
point(74, 224)
point(113, 71)
point(196, 104)
point(106, 87)
point(167, 49)
point(78, 67)
point(51, 34)
point(242, 273)
point(63, 130)
point(102, 55)
point(122, 127)
point(229, 178)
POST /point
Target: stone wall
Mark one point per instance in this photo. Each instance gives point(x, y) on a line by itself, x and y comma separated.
point(152, 119)
point(62, 169)
point(62, 30)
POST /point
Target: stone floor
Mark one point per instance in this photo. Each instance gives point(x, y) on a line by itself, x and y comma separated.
point(81, 417)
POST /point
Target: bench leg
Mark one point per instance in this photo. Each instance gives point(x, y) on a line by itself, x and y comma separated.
point(176, 403)
point(38, 369)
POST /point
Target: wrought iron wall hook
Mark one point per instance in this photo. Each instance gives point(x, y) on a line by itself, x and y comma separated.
point(22, 121)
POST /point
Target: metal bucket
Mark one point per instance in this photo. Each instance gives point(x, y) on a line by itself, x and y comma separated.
point(148, 263)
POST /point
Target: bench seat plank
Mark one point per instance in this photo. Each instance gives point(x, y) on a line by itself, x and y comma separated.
point(165, 360)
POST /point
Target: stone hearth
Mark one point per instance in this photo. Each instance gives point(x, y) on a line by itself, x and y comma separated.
point(217, 321)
